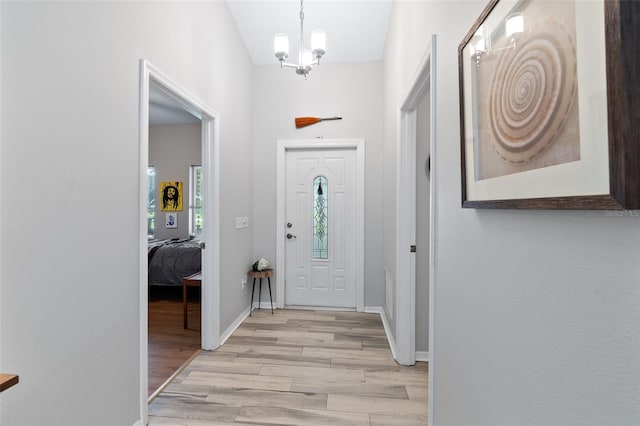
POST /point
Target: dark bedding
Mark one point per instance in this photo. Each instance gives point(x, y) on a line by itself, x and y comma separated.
point(172, 260)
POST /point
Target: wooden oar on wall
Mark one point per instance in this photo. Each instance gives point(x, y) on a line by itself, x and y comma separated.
point(308, 121)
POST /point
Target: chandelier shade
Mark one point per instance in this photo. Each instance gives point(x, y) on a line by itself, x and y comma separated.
point(281, 46)
point(318, 42)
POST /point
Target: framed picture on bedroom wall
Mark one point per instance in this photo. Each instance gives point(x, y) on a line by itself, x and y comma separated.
point(172, 221)
point(549, 105)
point(171, 196)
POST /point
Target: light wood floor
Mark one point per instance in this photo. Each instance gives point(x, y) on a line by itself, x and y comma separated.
point(298, 367)
point(170, 345)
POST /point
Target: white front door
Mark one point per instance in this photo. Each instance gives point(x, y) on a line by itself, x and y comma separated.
point(320, 244)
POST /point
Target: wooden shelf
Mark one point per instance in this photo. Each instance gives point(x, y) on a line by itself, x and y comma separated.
point(7, 380)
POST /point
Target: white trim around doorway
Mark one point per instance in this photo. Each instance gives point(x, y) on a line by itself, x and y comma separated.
point(424, 81)
point(282, 147)
point(150, 76)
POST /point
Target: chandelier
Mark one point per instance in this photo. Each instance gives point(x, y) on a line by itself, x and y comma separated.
point(306, 57)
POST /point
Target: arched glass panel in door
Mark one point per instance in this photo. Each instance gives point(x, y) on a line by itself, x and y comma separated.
point(320, 218)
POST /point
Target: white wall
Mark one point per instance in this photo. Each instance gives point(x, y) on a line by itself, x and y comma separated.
point(173, 149)
point(349, 90)
point(536, 312)
point(70, 82)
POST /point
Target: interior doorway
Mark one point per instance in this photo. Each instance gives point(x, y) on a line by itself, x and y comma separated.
point(153, 80)
point(417, 127)
point(175, 164)
point(417, 137)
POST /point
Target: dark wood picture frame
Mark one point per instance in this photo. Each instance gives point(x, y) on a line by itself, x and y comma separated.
point(622, 37)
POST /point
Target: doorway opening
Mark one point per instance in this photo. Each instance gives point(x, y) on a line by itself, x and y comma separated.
point(416, 239)
point(174, 227)
point(153, 84)
point(329, 270)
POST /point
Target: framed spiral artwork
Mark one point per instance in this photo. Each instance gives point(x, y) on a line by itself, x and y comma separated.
point(549, 105)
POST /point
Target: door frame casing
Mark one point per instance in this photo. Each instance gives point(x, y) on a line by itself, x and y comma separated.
point(423, 82)
point(314, 145)
point(210, 288)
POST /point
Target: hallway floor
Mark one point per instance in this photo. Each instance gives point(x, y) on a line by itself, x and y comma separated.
point(298, 367)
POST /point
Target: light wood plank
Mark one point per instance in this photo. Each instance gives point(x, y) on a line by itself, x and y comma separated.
point(294, 334)
point(217, 355)
point(405, 420)
point(243, 332)
point(239, 397)
point(171, 421)
point(340, 353)
point(214, 365)
point(228, 380)
point(293, 360)
point(252, 340)
point(327, 344)
point(413, 378)
point(320, 374)
point(292, 417)
point(349, 388)
point(259, 319)
point(192, 391)
point(417, 392)
point(260, 350)
point(358, 404)
point(375, 364)
point(374, 331)
point(304, 314)
point(338, 324)
point(188, 408)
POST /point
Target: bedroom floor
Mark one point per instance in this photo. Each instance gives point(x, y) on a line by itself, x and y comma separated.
point(170, 345)
point(312, 368)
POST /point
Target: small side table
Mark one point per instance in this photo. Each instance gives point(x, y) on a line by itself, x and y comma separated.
point(267, 273)
point(194, 280)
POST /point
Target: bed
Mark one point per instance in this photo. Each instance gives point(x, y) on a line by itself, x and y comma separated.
point(172, 260)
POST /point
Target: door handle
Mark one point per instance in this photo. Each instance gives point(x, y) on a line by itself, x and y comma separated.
point(290, 236)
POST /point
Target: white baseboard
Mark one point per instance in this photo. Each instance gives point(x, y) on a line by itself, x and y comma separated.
point(264, 306)
point(372, 309)
point(138, 423)
point(387, 327)
point(234, 325)
point(422, 356)
point(319, 308)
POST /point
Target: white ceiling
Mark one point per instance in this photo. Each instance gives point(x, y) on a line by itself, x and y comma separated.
point(356, 32)
point(356, 29)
